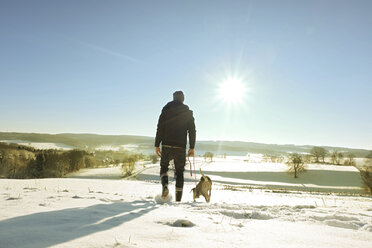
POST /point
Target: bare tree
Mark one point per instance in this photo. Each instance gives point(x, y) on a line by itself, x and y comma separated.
point(296, 164)
point(368, 159)
point(336, 157)
point(307, 158)
point(318, 152)
point(340, 158)
point(369, 156)
point(350, 159)
point(366, 172)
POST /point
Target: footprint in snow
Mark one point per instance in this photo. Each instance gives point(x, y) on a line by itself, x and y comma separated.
point(178, 223)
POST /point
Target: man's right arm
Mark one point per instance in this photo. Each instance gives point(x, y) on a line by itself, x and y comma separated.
point(160, 130)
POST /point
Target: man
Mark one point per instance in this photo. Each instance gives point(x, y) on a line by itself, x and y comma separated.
point(175, 121)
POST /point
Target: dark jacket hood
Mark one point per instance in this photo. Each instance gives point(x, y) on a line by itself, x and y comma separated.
point(175, 104)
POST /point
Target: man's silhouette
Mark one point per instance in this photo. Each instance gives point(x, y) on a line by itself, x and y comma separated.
point(175, 121)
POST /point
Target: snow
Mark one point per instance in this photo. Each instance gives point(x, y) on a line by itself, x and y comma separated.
point(40, 145)
point(318, 177)
point(128, 147)
point(112, 172)
point(93, 212)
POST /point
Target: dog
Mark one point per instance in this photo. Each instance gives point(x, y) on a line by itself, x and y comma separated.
point(204, 188)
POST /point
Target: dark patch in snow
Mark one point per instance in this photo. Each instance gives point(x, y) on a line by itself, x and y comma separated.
point(30, 189)
point(304, 206)
point(13, 198)
point(178, 223)
point(260, 216)
point(183, 223)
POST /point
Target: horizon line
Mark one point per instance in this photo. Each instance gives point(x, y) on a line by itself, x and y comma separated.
point(204, 140)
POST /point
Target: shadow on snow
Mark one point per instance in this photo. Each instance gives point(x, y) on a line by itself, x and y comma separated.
point(54, 227)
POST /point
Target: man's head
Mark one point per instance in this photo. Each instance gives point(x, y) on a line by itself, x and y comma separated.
point(178, 95)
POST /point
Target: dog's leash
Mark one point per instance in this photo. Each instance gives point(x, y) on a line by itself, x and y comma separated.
point(191, 169)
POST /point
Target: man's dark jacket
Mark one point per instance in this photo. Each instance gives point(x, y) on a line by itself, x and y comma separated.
point(175, 121)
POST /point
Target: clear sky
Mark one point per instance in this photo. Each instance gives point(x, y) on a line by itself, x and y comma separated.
point(108, 67)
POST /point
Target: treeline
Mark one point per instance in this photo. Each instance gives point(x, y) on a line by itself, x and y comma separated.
point(320, 154)
point(317, 155)
point(297, 162)
point(20, 162)
point(17, 161)
point(80, 141)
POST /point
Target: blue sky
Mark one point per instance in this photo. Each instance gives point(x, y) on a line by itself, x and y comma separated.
point(109, 67)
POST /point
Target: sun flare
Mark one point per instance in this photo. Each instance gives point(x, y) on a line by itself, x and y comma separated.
point(232, 91)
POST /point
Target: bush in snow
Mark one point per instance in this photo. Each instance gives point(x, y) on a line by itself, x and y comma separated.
point(272, 158)
point(14, 160)
point(336, 157)
point(296, 164)
point(350, 160)
point(153, 158)
point(208, 155)
point(128, 164)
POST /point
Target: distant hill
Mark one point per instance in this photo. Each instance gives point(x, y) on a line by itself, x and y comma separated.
point(146, 144)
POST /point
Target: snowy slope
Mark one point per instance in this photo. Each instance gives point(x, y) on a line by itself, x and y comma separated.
point(76, 212)
point(235, 171)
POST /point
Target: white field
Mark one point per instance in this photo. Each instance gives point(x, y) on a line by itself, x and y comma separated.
point(92, 212)
point(40, 145)
point(128, 147)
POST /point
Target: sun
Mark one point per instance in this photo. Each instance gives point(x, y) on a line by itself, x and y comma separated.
point(232, 90)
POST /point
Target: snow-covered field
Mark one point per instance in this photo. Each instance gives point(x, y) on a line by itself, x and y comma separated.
point(92, 212)
point(40, 145)
point(128, 147)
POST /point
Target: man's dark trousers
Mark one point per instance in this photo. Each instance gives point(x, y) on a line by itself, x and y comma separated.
point(179, 157)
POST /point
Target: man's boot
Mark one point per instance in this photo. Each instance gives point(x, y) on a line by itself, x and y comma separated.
point(178, 194)
point(165, 191)
point(164, 182)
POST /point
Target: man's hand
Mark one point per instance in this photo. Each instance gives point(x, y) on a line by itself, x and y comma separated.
point(158, 152)
point(191, 153)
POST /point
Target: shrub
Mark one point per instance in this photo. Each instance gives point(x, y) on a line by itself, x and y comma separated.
point(35, 168)
point(350, 160)
point(90, 161)
point(153, 158)
point(76, 159)
point(128, 165)
point(14, 161)
point(208, 155)
point(277, 159)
